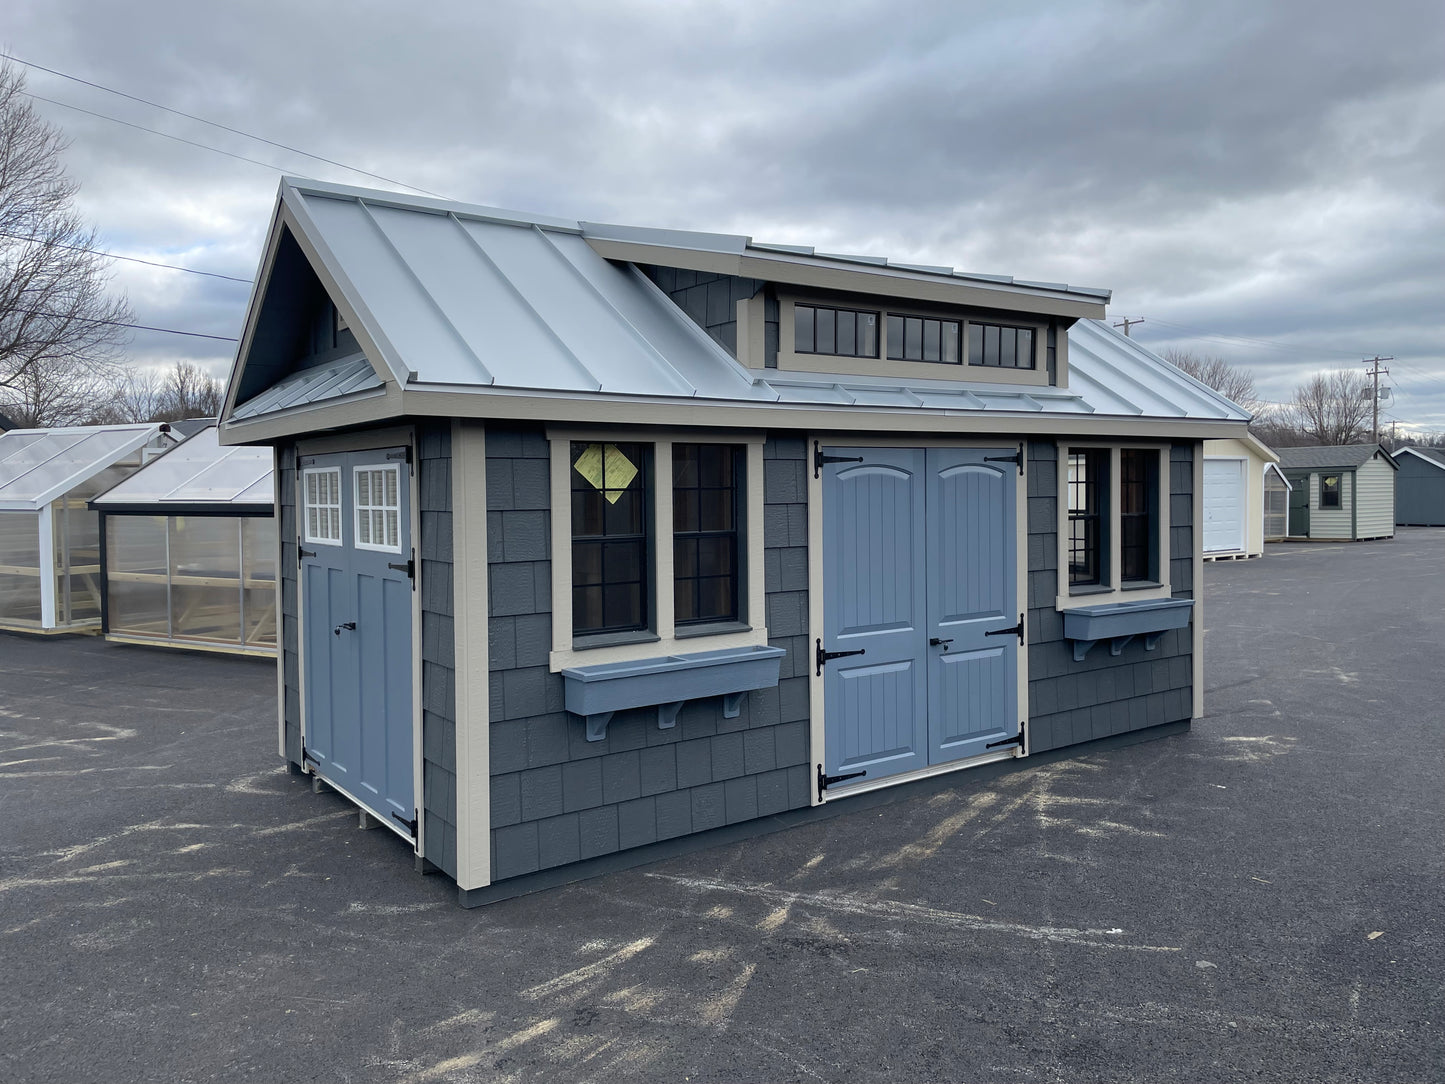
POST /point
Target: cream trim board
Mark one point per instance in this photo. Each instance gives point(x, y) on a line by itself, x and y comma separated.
point(667, 643)
point(752, 337)
point(1116, 592)
point(418, 773)
point(817, 728)
point(1196, 618)
point(471, 625)
point(277, 476)
point(881, 365)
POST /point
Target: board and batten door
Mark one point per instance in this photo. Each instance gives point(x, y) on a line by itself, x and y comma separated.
point(874, 605)
point(919, 567)
point(1224, 505)
point(972, 602)
point(357, 628)
point(1299, 508)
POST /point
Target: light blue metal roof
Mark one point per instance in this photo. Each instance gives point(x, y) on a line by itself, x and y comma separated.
point(447, 297)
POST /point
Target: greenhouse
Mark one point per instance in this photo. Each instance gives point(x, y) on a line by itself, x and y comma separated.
point(190, 550)
point(50, 561)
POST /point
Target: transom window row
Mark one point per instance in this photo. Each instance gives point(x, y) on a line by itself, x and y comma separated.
point(614, 553)
point(854, 333)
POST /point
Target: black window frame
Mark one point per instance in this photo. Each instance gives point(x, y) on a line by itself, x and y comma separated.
point(914, 330)
point(816, 341)
point(1337, 493)
point(1088, 517)
point(608, 542)
point(1138, 516)
point(990, 332)
point(733, 493)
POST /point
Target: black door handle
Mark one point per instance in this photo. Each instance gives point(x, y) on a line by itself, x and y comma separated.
point(344, 625)
point(934, 641)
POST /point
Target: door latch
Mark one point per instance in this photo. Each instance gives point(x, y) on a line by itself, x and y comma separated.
point(822, 657)
point(351, 625)
point(935, 641)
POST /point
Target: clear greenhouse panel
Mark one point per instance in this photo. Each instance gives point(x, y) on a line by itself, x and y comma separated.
point(200, 471)
point(20, 570)
point(34, 464)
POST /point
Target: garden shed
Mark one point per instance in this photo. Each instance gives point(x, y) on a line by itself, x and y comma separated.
point(1420, 487)
point(190, 549)
point(49, 540)
point(1343, 493)
point(600, 541)
point(1237, 492)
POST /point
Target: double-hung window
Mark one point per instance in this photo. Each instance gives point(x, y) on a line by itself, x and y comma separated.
point(1329, 491)
point(663, 542)
point(1113, 523)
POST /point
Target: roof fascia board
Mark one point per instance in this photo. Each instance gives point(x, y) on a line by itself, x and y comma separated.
point(183, 508)
point(259, 283)
point(1420, 456)
point(359, 408)
point(495, 403)
point(1260, 448)
point(858, 278)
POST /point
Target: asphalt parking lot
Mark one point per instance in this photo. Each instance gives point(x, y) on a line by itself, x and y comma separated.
point(1260, 899)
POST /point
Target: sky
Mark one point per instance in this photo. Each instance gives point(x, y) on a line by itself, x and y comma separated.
point(1259, 181)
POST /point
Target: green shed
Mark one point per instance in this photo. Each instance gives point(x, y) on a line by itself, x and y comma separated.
point(1343, 493)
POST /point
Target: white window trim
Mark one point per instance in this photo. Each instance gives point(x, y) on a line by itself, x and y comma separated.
point(306, 506)
point(667, 642)
point(356, 507)
point(1114, 590)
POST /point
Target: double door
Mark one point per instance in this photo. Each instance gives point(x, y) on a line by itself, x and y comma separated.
point(920, 607)
point(356, 584)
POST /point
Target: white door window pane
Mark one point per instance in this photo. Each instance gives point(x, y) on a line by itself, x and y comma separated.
point(322, 496)
point(378, 508)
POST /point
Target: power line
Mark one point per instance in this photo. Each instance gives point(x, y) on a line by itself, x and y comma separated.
point(214, 124)
point(1221, 337)
point(122, 323)
point(132, 259)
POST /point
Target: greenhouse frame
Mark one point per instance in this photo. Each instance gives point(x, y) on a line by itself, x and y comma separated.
point(50, 559)
point(190, 550)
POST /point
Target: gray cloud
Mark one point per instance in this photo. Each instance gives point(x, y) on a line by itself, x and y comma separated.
point(1258, 171)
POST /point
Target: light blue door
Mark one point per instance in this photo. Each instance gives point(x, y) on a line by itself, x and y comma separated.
point(972, 567)
point(918, 655)
point(874, 604)
point(356, 581)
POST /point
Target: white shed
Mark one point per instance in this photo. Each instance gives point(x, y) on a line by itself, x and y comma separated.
point(1237, 473)
point(49, 540)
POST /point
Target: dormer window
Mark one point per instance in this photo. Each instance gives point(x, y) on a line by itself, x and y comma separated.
point(999, 346)
point(919, 338)
point(848, 333)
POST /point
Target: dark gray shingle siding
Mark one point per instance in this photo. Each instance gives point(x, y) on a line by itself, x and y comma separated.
point(558, 798)
point(438, 644)
point(1072, 702)
point(711, 302)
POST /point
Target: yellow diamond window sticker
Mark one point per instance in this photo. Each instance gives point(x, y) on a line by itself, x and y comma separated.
point(613, 478)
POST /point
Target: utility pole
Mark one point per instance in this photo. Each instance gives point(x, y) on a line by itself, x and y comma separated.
point(1127, 323)
point(1375, 372)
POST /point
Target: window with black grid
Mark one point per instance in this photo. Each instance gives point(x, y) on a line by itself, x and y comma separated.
point(919, 338)
point(1330, 491)
point(1000, 347)
point(1088, 485)
point(842, 332)
point(707, 482)
point(610, 522)
point(1138, 504)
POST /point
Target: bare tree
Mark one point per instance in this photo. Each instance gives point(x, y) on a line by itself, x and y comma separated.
point(133, 395)
point(59, 328)
point(188, 392)
point(1332, 408)
point(1230, 381)
point(60, 392)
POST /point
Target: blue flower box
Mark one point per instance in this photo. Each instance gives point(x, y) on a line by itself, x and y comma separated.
point(1120, 622)
point(595, 692)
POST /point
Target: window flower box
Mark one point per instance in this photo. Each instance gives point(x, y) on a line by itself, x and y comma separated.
point(595, 692)
point(1120, 622)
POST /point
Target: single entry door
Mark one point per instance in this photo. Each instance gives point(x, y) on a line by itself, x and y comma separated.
point(919, 607)
point(356, 565)
point(1299, 509)
point(1224, 505)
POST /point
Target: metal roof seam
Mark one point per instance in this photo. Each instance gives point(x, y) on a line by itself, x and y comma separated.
point(1135, 383)
point(607, 306)
point(410, 271)
point(531, 310)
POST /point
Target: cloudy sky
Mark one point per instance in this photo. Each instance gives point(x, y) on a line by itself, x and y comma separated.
point(1262, 181)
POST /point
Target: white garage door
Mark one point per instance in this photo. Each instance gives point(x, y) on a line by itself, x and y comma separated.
point(1224, 505)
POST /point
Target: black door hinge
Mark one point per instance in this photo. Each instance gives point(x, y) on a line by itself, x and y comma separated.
point(408, 566)
point(1017, 458)
point(1017, 739)
point(1017, 630)
point(307, 758)
point(826, 781)
point(819, 459)
point(410, 824)
point(822, 657)
point(302, 552)
point(404, 454)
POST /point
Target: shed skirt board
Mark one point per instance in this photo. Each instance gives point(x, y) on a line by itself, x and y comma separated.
point(1225, 507)
point(357, 632)
point(919, 579)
